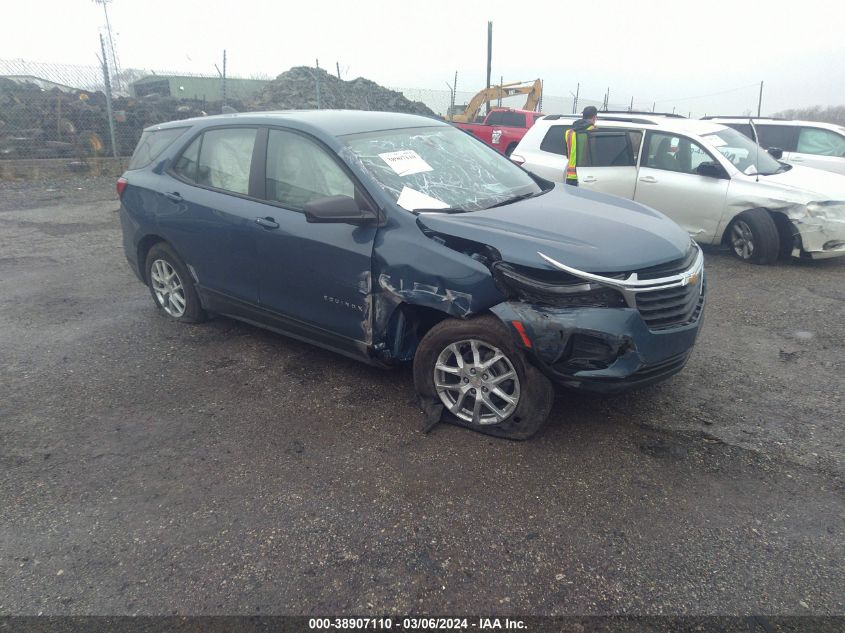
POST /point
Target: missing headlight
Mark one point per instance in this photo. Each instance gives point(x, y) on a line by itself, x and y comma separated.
point(553, 288)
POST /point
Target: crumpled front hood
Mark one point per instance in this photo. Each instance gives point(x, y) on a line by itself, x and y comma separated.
point(583, 229)
point(798, 185)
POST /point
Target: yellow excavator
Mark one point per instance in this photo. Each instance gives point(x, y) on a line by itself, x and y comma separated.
point(534, 90)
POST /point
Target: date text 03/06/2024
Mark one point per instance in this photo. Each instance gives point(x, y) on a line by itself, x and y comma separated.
point(415, 623)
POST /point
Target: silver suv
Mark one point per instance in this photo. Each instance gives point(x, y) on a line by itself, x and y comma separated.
point(807, 143)
point(719, 185)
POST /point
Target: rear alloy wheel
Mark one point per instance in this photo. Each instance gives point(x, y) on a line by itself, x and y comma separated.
point(172, 286)
point(167, 288)
point(483, 381)
point(753, 237)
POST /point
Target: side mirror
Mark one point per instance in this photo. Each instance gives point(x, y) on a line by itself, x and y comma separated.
point(776, 152)
point(710, 169)
point(336, 209)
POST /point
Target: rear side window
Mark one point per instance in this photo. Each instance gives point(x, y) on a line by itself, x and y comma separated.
point(813, 140)
point(781, 136)
point(609, 150)
point(742, 128)
point(219, 158)
point(554, 141)
point(299, 171)
point(153, 143)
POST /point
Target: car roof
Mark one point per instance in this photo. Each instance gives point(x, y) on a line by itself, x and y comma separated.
point(776, 121)
point(652, 121)
point(331, 122)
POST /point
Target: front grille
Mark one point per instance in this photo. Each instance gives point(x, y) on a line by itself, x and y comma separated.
point(671, 307)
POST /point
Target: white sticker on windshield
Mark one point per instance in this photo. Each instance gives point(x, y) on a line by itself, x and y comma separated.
point(716, 141)
point(411, 199)
point(405, 162)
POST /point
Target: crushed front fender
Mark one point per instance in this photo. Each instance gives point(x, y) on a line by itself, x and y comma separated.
point(598, 349)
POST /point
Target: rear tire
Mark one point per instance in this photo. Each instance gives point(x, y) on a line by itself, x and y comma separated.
point(172, 286)
point(753, 237)
point(515, 398)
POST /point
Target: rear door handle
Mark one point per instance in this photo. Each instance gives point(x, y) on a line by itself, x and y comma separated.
point(267, 223)
point(173, 195)
point(796, 159)
point(648, 179)
point(590, 179)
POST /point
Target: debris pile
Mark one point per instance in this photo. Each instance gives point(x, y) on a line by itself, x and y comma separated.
point(38, 123)
point(304, 88)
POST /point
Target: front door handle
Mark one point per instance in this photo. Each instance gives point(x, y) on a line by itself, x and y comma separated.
point(267, 223)
point(173, 196)
point(796, 159)
point(648, 179)
point(590, 179)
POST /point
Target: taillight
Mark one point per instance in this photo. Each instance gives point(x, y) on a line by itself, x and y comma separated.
point(516, 158)
point(121, 186)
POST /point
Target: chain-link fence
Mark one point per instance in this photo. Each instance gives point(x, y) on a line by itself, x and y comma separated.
point(62, 111)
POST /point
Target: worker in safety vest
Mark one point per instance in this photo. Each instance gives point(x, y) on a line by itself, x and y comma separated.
point(576, 141)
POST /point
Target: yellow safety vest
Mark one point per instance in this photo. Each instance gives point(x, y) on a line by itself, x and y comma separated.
point(572, 149)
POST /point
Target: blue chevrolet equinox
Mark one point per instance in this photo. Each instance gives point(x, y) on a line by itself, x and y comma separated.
point(397, 238)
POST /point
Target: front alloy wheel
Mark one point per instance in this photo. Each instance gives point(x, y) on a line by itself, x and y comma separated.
point(476, 382)
point(474, 372)
point(742, 240)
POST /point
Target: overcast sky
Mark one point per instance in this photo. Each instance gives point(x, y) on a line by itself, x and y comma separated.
point(706, 56)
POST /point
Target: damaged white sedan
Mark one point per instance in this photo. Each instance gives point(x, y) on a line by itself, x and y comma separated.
point(715, 182)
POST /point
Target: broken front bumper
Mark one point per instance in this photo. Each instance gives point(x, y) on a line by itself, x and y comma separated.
point(822, 237)
point(604, 350)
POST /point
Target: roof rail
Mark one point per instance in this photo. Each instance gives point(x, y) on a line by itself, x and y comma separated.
point(672, 115)
point(742, 116)
point(619, 119)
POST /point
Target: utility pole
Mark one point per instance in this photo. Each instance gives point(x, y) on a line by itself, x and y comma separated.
point(107, 83)
point(111, 42)
point(338, 69)
point(489, 57)
point(631, 107)
point(454, 93)
point(760, 100)
point(575, 102)
point(501, 83)
point(224, 76)
point(318, 83)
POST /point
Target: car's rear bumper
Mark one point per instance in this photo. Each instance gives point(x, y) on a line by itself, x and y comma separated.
point(605, 350)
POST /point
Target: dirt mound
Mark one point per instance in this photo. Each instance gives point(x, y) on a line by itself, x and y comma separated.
point(297, 89)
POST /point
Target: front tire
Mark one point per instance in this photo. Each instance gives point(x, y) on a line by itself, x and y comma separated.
point(482, 380)
point(172, 286)
point(753, 237)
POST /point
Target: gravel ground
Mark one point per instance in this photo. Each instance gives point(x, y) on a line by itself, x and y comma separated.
point(148, 467)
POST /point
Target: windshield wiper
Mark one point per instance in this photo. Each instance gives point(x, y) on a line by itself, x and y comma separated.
point(514, 199)
point(440, 210)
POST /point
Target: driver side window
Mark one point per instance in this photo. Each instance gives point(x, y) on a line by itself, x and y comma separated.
point(299, 171)
point(671, 152)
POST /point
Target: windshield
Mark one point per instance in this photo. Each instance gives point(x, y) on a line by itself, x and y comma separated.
point(743, 152)
point(438, 168)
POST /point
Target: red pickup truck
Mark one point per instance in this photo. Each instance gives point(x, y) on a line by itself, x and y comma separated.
point(503, 128)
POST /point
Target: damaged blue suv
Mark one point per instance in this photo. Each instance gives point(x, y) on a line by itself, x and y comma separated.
point(394, 238)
